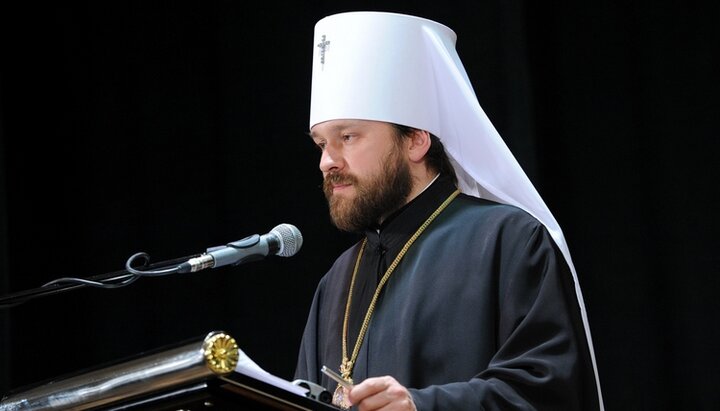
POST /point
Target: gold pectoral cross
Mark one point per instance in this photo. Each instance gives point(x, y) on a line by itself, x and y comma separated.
point(345, 383)
point(340, 399)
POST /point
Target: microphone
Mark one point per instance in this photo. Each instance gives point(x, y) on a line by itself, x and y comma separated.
point(284, 240)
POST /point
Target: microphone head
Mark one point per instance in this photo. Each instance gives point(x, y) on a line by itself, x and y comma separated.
point(290, 239)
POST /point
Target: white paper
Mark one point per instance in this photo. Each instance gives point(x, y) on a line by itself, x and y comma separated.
point(247, 366)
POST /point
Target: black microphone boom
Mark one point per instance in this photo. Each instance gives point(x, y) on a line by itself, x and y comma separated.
point(284, 240)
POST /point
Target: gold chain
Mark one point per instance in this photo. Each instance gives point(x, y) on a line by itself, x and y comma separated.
point(347, 365)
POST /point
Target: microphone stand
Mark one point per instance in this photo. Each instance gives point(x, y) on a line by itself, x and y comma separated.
point(22, 296)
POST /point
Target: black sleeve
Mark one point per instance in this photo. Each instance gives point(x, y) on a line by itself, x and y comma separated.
point(542, 361)
point(307, 365)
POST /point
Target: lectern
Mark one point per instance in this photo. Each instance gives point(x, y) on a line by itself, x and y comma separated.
point(209, 374)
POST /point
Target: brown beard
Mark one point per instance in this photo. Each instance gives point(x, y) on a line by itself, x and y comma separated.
point(376, 197)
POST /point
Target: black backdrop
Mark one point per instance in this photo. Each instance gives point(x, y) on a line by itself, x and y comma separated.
point(169, 127)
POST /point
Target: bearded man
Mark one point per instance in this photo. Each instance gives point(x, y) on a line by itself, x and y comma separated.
point(450, 301)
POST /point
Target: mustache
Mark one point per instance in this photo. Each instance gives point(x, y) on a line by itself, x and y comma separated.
point(337, 178)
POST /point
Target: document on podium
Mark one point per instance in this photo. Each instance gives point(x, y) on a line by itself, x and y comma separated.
point(248, 367)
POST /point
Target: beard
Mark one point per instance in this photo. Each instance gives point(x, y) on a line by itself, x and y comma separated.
point(375, 197)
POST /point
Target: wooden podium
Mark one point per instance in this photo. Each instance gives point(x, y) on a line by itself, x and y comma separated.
point(210, 374)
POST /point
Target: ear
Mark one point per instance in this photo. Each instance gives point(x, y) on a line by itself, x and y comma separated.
point(418, 145)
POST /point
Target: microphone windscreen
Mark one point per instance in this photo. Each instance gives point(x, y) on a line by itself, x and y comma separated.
point(290, 239)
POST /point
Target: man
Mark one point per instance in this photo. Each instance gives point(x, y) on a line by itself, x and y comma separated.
point(450, 301)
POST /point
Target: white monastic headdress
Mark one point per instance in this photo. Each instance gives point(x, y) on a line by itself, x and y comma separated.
point(405, 70)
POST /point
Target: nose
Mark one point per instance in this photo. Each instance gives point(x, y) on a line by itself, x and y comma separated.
point(330, 160)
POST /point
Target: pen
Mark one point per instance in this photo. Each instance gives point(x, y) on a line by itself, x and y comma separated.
point(340, 380)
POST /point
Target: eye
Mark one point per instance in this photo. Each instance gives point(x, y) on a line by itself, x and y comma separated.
point(348, 137)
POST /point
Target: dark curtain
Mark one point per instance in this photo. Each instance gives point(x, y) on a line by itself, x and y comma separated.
point(172, 127)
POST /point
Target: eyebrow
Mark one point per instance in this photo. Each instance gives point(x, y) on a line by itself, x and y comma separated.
point(334, 129)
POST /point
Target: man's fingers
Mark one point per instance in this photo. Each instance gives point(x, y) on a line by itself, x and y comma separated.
point(369, 387)
point(379, 392)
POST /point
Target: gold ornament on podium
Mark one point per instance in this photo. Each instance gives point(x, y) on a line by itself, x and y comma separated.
point(221, 353)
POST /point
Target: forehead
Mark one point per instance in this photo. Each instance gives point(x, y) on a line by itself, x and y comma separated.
point(333, 127)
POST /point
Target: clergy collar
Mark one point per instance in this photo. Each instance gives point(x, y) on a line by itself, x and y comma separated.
point(400, 225)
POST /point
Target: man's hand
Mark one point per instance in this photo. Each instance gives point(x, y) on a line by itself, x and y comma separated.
point(381, 393)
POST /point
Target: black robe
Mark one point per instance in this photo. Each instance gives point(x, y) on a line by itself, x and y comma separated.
point(480, 314)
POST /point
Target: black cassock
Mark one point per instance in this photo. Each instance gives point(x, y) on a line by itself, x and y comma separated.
point(480, 314)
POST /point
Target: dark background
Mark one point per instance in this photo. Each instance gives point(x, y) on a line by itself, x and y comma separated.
point(170, 127)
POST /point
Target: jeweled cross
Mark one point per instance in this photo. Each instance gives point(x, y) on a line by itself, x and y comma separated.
point(323, 47)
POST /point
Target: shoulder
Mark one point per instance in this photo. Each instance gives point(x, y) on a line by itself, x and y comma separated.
point(338, 271)
point(490, 224)
point(473, 211)
point(348, 256)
